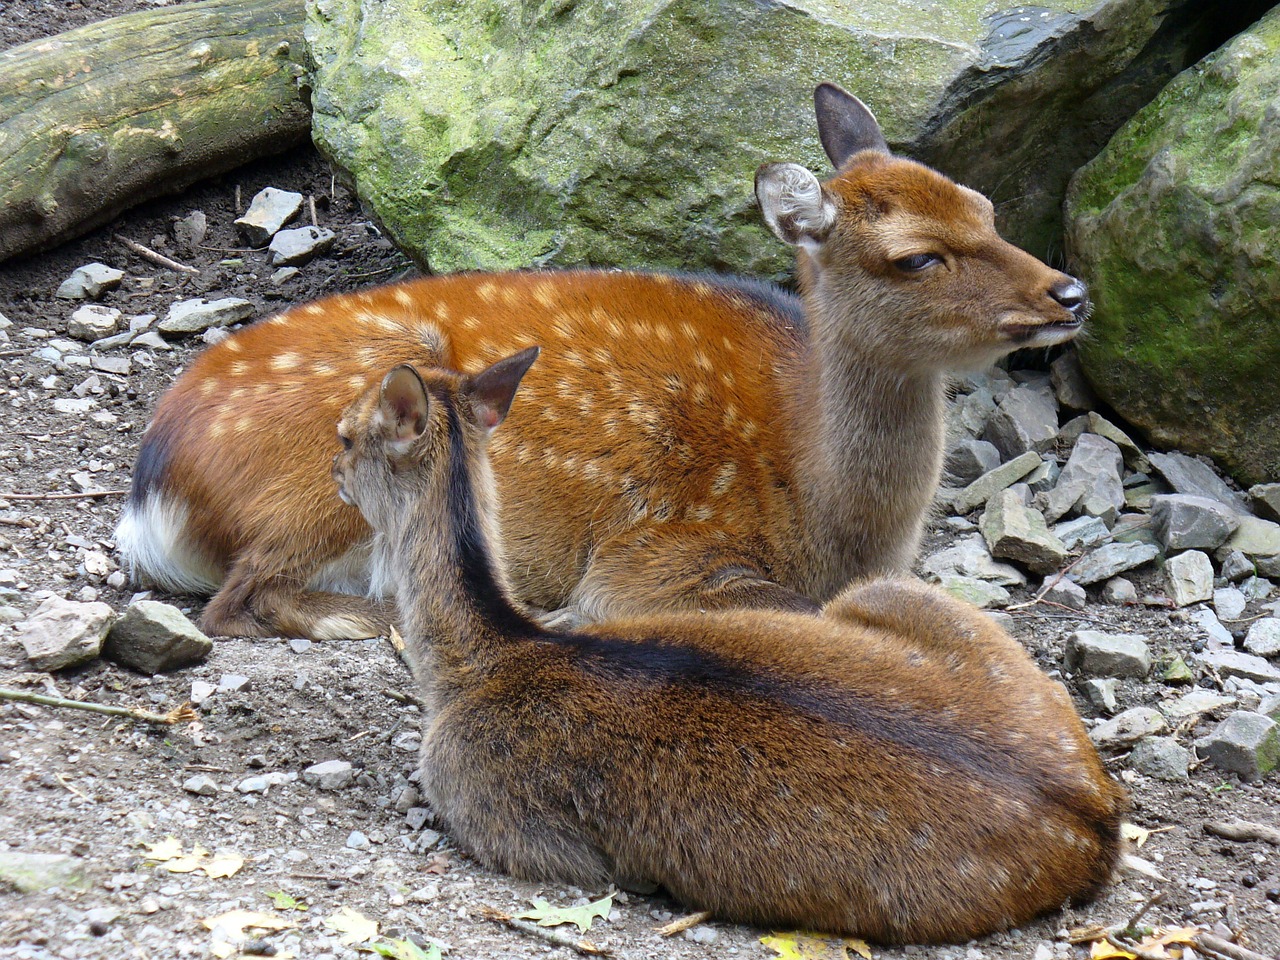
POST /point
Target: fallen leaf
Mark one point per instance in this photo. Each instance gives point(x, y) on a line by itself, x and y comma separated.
point(1132, 864)
point(806, 945)
point(355, 927)
point(406, 950)
point(238, 921)
point(223, 864)
point(166, 849)
point(548, 916)
point(284, 901)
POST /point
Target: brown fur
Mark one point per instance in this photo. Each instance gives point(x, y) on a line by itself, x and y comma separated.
point(896, 768)
point(685, 442)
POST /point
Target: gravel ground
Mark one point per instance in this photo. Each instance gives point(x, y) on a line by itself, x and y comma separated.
point(98, 789)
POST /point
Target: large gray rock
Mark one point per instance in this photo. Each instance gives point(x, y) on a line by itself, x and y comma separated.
point(1233, 663)
point(1189, 578)
point(992, 482)
point(1108, 654)
point(36, 872)
point(1161, 757)
point(970, 558)
point(64, 633)
point(1185, 522)
point(487, 135)
point(1014, 531)
point(1026, 418)
point(1174, 224)
point(1245, 743)
point(1263, 639)
point(193, 316)
point(269, 210)
point(1090, 483)
point(1129, 727)
point(155, 637)
point(1110, 559)
point(970, 458)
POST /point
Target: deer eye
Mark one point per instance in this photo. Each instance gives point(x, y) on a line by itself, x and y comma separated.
point(345, 441)
point(917, 262)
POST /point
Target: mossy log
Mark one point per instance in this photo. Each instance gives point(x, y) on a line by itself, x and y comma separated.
point(99, 118)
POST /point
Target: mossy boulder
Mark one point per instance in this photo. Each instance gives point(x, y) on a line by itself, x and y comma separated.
point(1176, 226)
point(489, 134)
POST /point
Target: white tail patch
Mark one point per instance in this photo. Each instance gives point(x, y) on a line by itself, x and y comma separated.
point(151, 540)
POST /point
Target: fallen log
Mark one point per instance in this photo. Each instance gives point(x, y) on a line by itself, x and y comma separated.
point(100, 118)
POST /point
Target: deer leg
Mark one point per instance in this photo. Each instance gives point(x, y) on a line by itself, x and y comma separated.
point(676, 566)
point(252, 605)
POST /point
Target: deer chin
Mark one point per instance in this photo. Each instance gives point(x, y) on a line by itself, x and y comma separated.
point(1038, 334)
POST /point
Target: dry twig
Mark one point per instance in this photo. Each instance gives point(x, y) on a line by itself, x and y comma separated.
point(681, 924)
point(182, 714)
point(1216, 946)
point(87, 495)
point(584, 947)
point(159, 259)
point(1243, 830)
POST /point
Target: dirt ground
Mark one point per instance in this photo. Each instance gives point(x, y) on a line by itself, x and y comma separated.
point(98, 788)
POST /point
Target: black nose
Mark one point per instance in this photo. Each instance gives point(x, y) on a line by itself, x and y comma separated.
point(1071, 293)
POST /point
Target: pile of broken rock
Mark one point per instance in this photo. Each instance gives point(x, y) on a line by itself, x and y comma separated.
point(1040, 483)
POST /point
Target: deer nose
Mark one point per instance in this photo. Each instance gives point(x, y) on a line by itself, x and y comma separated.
point(1071, 293)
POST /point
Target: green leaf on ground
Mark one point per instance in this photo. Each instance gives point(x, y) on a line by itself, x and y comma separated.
point(548, 916)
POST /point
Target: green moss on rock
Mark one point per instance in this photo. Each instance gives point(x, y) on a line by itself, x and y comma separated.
point(1174, 226)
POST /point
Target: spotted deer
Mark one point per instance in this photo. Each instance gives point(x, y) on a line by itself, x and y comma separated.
point(692, 442)
point(896, 768)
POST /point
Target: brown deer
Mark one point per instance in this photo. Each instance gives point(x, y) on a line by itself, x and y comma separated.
point(896, 768)
point(692, 442)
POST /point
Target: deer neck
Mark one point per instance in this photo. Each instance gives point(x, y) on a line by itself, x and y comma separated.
point(452, 591)
point(870, 440)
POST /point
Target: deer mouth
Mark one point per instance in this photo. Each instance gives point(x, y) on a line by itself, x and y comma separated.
point(1043, 334)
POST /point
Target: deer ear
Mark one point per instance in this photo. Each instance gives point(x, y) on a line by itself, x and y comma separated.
point(845, 125)
point(794, 204)
point(491, 391)
point(402, 405)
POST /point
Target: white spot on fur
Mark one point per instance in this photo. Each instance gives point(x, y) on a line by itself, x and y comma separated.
point(403, 298)
point(285, 361)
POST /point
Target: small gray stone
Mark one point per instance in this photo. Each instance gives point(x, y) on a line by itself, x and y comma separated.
point(202, 690)
point(1245, 743)
point(299, 644)
point(974, 410)
point(969, 459)
point(155, 637)
point(1043, 478)
point(90, 282)
point(1108, 560)
point(358, 841)
point(1254, 538)
point(417, 817)
point(202, 785)
point(1118, 590)
point(1270, 707)
point(1025, 419)
point(1161, 758)
point(1194, 703)
point(151, 340)
point(1263, 638)
point(1186, 522)
point(1082, 533)
point(293, 248)
point(1189, 578)
point(1069, 384)
point(1108, 654)
point(191, 230)
point(1090, 482)
point(36, 872)
point(1016, 532)
point(329, 775)
point(93, 322)
point(258, 784)
point(1265, 498)
point(1268, 566)
point(269, 210)
point(1064, 592)
point(1129, 727)
point(233, 683)
point(981, 593)
point(969, 557)
point(1233, 663)
point(120, 366)
point(63, 633)
point(1229, 603)
point(1188, 475)
point(1257, 588)
point(194, 316)
point(992, 482)
point(77, 407)
point(1101, 693)
point(409, 741)
point(284, 275)
point(122, 339)
point(702, 934)
point(1219, 636)
point(407, 798)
